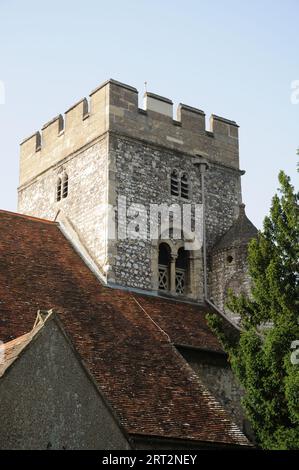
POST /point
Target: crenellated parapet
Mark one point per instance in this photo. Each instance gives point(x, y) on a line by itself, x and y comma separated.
point(113, 107)
point(64, 135)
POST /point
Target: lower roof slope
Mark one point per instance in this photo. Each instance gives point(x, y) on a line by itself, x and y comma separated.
point(150, 386)
point(184, 322)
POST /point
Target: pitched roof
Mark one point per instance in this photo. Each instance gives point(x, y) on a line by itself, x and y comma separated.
point(240, 233)
point(152, 389)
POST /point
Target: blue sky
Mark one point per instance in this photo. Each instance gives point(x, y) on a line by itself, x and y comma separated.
point(233, 58)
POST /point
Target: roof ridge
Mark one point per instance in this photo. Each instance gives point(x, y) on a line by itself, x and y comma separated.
point(29, 217)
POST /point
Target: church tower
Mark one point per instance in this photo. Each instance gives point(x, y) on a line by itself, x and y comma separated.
point(107, 167)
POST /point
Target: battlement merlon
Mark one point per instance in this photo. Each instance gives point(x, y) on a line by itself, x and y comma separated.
point(113, 106)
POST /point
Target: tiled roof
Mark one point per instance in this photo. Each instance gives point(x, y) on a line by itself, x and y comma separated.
point(150, 386)
point(184, 322)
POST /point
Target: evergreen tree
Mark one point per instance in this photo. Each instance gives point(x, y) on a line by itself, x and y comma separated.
point(265, 356)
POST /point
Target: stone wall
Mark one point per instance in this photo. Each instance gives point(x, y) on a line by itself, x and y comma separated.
point(223, 195)
point(142, 175)
point(114, 106)
point(229, 270)
point(109, 147)
point(141, 172)
point(186, 132)
point(48, 401)
point(87, 196)
point(62, 136)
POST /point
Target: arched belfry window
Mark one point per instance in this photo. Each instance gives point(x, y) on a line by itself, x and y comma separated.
point(174, 183)
point(65, 186)
point(62, 187)
point(184, 186)
point(173, 270)
point(58, 189)
point(179, 185)
point(181, 271)
point(164, 266)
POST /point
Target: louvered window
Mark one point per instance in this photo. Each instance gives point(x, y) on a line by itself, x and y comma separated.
point(174, 183)
point(58, 189)
point(184, 187)
point(65, 186)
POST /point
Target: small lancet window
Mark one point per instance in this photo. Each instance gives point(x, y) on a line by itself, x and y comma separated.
point(174, 183)
point(65, 186)
point(58, 189)
point(184, 186)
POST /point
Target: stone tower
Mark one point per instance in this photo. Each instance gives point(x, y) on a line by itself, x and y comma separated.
point(109, 160)
point(228, 262)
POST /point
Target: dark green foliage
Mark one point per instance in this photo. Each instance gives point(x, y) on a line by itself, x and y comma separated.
point(261, 357)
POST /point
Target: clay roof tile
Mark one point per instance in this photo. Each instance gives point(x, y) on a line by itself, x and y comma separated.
point(150, 386)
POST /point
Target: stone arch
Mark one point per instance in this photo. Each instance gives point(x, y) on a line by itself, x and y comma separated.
point(193, 280)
